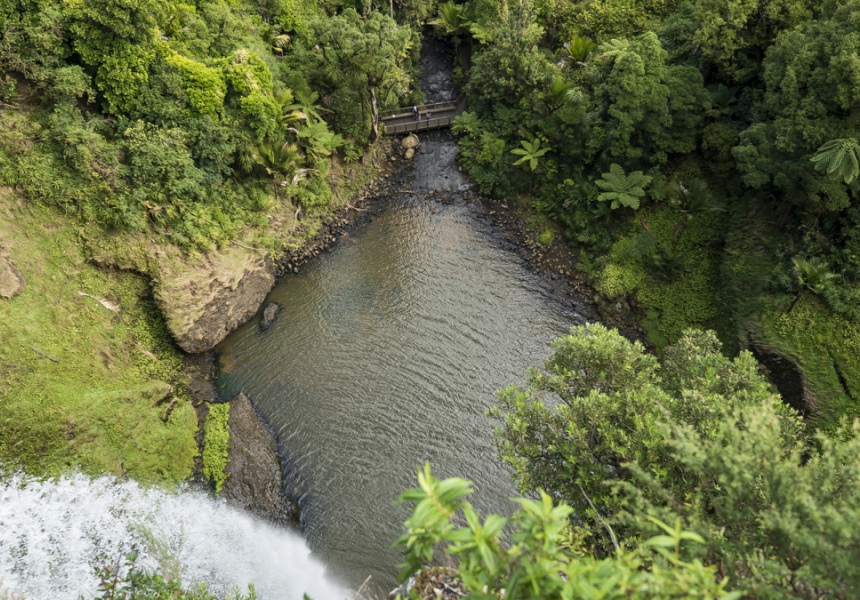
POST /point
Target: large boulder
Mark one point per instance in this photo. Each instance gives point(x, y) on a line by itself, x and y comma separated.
point(410, 141)
point(255, 479)
point(410, 153)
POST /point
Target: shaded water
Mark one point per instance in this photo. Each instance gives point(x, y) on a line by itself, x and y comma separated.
point(55, 533)
point(386, 354)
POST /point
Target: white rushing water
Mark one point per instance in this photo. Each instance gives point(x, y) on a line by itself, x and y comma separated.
point(55, 533)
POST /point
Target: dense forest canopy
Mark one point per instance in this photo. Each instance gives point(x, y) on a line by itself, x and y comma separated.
point(703, 152)
point(175, 116)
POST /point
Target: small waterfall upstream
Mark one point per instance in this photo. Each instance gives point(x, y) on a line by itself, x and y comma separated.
point(55, 533)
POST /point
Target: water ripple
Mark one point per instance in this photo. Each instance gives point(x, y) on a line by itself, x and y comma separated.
point(387, 354)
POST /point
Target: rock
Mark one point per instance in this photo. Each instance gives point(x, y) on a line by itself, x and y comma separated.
point(11, 281)
point(410, 141)
point(786, 375)
point(269, 315)
point(201, 372)
point(410, 153)
point(255, 480)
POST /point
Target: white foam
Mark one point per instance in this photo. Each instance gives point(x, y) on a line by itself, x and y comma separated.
point(54, 533)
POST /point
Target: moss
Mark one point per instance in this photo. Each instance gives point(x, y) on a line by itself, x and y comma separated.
point(546, 237)
point(675, 296)
point(116, 400)
point(826, 346)
point(216, 446)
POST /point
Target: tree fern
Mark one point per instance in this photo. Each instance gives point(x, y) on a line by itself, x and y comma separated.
point(579, 48)
point(466, 123)
point(812, 274)
point(530, 152)
point(278, 159)
point(839, 159)
point(563, 92)
point(621, 189)
point(452, 19)
point(614, 47)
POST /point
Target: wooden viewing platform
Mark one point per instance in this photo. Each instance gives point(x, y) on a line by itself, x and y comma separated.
point(402, 120)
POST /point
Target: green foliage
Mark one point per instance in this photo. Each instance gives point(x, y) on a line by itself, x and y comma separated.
point(612, 397)
point(651, 109)
point(579, 48)
point(839, 159)
point(780, 527)
point(812, 274)
point(601, 19)
point(622, 190)
point(809, 102)
point(827, 345)
point(539, 561)
point(512, 66)
point(318, 141)
point(454, 20)
point(529, 153)
point(160, 160)
point(547, 237)
point(115, 37)
point(701, 440)
point(204, 86)
point(279, 160)
point(671, 265)
point(192, 91)
point(734, 33)
point(216, 444)
point(368, 60)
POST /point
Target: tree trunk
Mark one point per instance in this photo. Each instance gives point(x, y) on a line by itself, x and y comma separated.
point(391, 8)
point(793, 302)
point(374, 115)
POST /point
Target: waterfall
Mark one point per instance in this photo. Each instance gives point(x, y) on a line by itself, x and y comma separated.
point(54, 533)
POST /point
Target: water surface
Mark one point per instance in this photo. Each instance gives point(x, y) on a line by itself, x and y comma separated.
point(386, 354)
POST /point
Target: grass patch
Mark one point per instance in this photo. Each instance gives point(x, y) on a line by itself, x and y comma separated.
point(115, 401)
point(217, 435)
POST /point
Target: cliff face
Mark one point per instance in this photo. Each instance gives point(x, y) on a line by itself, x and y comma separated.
point(205, 296)
point(255, 479)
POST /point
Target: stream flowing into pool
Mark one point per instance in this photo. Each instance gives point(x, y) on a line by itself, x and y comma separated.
point(386, 354)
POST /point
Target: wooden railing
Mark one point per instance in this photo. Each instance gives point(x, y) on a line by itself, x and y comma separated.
point(422, 125)
point(407, 110)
